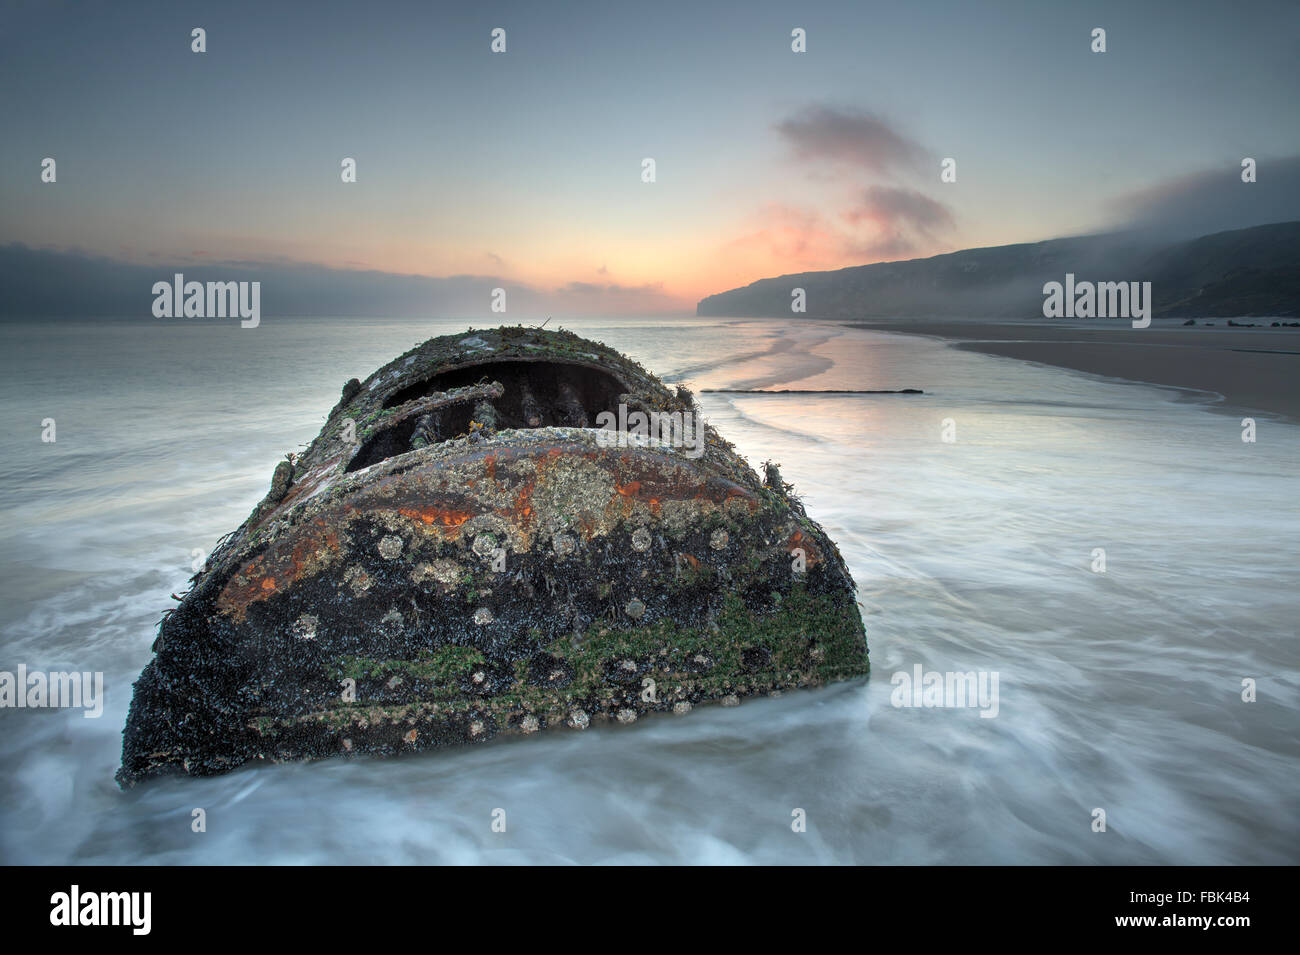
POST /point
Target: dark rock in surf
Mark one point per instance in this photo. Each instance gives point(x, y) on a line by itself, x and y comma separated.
point(465, 551)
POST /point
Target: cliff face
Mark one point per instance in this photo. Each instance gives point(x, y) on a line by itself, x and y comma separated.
point(1252, 271)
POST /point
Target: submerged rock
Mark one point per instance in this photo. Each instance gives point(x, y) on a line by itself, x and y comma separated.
point(487, 537)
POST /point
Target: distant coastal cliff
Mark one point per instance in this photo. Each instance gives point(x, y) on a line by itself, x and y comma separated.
point(1245, 272)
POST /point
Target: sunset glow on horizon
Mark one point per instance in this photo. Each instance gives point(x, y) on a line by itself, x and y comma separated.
point(526, 166)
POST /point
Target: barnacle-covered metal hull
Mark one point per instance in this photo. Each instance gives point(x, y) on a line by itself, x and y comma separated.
point(465, 551)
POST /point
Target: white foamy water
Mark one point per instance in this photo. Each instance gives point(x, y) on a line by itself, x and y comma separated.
point(1119, 691)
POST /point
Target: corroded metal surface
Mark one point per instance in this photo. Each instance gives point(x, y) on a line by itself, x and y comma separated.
point(462, 552)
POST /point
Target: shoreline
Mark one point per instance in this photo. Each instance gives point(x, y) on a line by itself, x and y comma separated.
point(1256, 370)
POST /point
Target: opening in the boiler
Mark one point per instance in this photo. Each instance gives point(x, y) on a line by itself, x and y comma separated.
point(536, 394)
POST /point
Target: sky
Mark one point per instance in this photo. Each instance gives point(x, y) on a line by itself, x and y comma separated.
point(525, 168)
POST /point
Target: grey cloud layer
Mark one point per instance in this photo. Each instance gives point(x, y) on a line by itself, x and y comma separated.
point(827, 133)
point(884, 220)
point(1215, 199)
point(44, 282)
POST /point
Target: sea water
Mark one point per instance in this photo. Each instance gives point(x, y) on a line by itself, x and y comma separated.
point(971, 517)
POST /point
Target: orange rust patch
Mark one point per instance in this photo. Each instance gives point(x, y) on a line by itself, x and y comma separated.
point(798, 540)
point(524, 503)
point(445, 516)
point(306, 548)
point(638, 480)
point(262, 577)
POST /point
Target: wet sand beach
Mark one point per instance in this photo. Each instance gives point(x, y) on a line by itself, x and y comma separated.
point(1254, 369)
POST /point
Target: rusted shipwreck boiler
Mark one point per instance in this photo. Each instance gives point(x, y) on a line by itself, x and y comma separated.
point(465, 551)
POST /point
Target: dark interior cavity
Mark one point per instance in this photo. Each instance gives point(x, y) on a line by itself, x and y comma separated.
point(537, 394)
point(597, 390)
